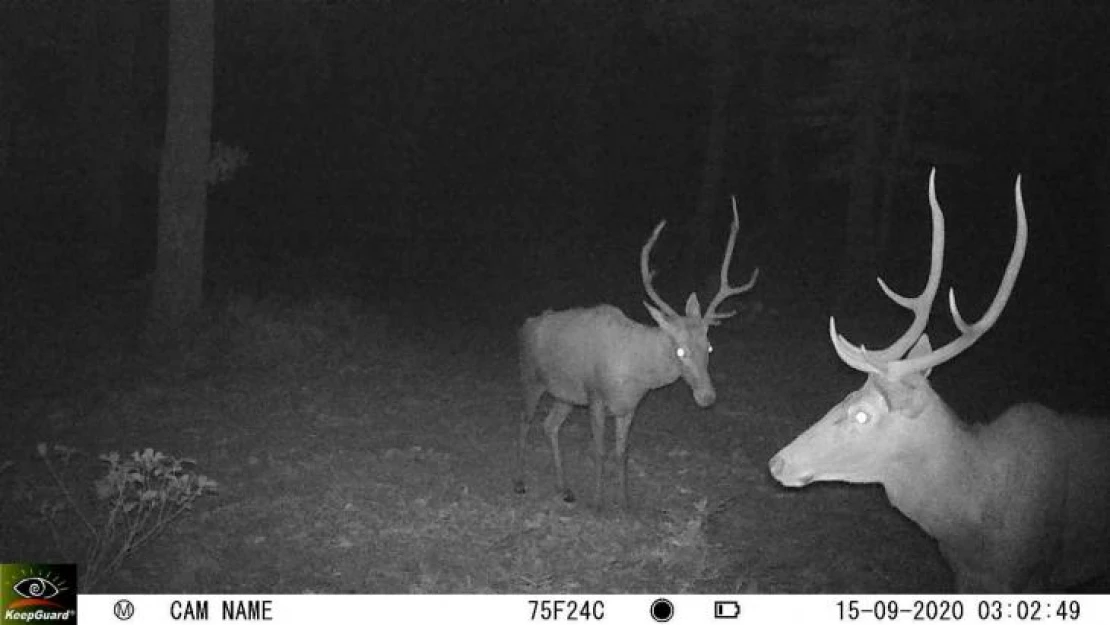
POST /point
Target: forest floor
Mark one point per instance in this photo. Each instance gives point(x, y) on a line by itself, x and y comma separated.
point(372, 451)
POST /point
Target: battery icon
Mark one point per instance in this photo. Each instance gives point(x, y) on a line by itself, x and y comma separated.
point(726, 609)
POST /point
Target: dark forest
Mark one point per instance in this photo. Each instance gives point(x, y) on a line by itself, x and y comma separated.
point(291, 246)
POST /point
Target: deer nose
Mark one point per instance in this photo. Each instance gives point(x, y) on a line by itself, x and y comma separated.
point(705, 397)
point(776, 466)
point(786, 475)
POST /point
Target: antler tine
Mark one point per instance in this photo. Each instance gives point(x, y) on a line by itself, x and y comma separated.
point(921, 305)
point(969, 334)
point(646, 274)
point(857, 358)
point(725, 291)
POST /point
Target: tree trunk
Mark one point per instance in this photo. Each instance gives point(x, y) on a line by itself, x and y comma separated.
point(781, 214)
point(893, 160)
point(9, 111)
point(860, 244)
point(408, 212)
point(701, 226)
point(859, 226)
point(182, 185)
point(1102, 200)
point(113, 144)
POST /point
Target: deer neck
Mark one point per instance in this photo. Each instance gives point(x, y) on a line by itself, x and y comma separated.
point(654, 358)
point(933, 481)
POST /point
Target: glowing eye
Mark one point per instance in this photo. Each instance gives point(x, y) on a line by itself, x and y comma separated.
point(681, 352)
point(710, 349)
point(861, 417)
point(36, 588)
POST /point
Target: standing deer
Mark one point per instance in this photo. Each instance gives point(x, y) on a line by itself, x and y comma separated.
point(1020, 504)
point(599, 358)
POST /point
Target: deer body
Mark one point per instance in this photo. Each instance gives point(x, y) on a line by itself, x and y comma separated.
point(1004, 504)
point(594, 357)
point(1044, 476)
point(599, 358)
point(1019, 504)
point(595, 354)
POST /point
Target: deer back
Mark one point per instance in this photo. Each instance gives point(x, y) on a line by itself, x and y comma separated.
point(597, 352)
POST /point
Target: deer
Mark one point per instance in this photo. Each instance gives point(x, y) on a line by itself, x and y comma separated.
point(601, 359)
point(1016, 504)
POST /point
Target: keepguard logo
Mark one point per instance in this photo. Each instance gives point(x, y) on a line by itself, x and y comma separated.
point(38, 593)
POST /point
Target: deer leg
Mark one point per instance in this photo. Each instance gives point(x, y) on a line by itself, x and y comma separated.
point(532, 395)
point(555, 417)
point(597, 420)
point(624, 424)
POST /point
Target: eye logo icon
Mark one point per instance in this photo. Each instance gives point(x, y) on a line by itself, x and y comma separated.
point(35, 591)
point(38, 591)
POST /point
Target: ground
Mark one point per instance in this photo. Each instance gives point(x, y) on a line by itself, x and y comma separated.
point(367, 450)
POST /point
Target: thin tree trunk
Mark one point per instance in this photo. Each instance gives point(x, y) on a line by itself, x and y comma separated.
point(182, 185)
point(1103, 200)
point(781, 213)
point(859, 247)
point(115, 128)
point(408, 213)
point(893, 161)
point(859, 227)
point(9, 111)
point(701, 226)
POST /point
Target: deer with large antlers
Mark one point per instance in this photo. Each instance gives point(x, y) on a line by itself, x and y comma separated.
point(599, 358)
point(1019, 504)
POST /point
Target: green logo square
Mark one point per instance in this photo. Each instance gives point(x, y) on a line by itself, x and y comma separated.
point(38, 593)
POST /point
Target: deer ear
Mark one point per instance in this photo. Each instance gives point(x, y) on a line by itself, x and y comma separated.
point(921, 348)
point(658, 316)
point(879, 383)
point(693, 307)
point(903, 395)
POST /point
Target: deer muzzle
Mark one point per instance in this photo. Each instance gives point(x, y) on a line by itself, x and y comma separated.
point(705, 396)
point(787, 474)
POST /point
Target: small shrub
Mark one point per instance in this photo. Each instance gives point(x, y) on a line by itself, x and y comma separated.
point(135, 500)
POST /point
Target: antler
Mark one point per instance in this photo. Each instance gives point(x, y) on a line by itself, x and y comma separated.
point(870, 362)
point(887, 362)
point(646, 273)
point(711, 315)
point(969, 334)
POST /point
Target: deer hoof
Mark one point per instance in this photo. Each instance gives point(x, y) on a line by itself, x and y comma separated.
point(518, 487)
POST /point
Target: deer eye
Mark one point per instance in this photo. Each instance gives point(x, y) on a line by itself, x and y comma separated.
point(710, 349)
point(861, 417)
point(681, 352)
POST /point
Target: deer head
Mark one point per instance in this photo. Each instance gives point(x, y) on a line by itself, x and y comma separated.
point(689, 332)
point(894, 417)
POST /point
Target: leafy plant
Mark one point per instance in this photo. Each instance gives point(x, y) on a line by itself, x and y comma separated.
point(135, 500)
